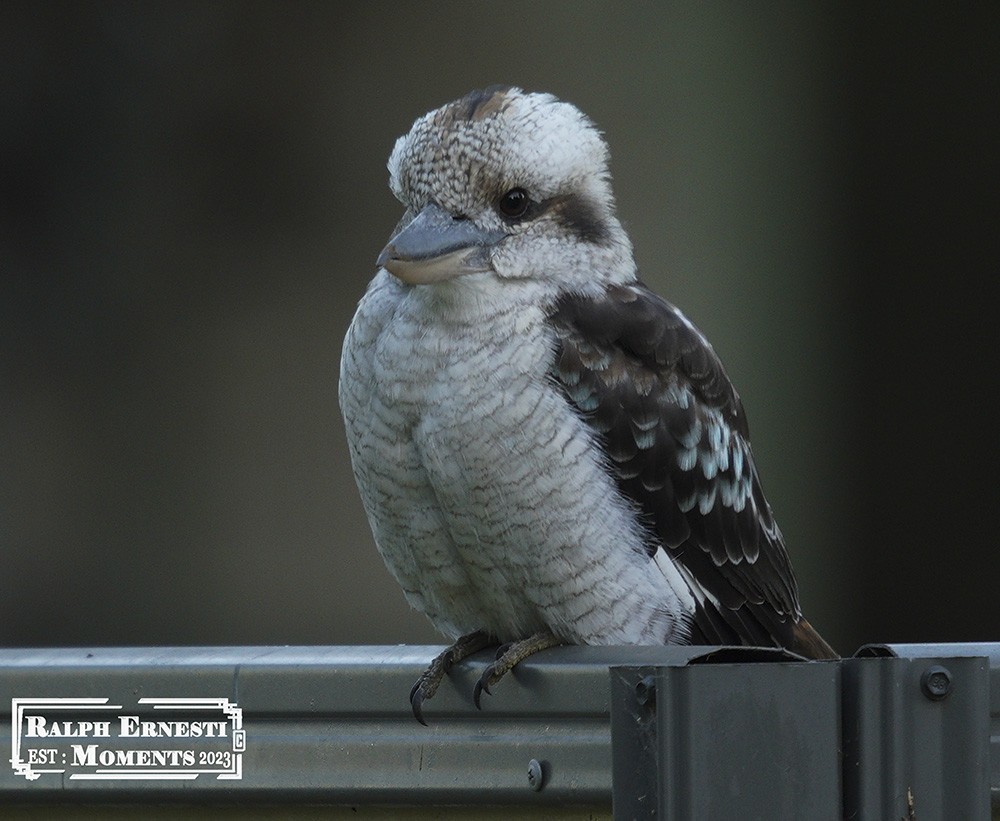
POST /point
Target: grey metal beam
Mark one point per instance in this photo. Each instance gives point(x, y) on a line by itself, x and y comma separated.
point(922, 725)
point(697, 732)
point(333, 724)
point(900, 732)
point(739, 737)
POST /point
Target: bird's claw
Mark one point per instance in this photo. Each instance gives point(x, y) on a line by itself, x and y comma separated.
point(429, 681)
point(509, 656)
point(416, 704)
point(492, 674)
point(422, 690)
point(488, 677)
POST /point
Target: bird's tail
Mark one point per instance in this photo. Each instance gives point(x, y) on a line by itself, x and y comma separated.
point(810, 644)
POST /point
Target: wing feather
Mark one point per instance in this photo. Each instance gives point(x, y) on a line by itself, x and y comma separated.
point(675, 434)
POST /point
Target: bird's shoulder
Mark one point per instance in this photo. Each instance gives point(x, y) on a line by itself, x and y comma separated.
point(628, 341)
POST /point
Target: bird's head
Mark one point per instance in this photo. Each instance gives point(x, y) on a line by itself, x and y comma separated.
point(508, 186)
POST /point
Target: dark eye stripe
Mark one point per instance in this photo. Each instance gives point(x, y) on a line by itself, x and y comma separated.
point(574, 212)
point(579, 215)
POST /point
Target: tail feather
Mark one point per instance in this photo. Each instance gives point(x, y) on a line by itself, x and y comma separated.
point(807, 642)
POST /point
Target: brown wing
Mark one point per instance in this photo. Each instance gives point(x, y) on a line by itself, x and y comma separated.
point(677, 439)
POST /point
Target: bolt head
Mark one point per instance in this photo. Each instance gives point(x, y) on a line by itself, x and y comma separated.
point(936, 682)
point(535, 774)
point(645, 692)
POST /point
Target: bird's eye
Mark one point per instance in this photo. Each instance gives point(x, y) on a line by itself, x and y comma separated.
point(514, 204)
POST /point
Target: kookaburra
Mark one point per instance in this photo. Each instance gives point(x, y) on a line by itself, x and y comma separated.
point(547, 451)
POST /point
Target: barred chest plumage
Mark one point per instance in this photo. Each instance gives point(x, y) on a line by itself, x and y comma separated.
point(486, 495)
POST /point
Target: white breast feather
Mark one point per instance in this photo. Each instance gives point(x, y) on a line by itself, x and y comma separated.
point(487, 495)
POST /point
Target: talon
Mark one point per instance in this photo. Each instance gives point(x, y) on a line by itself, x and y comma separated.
point(482, 686)
point(508, 656)
point(428, 683)
point(416, 703)
point(423, 689)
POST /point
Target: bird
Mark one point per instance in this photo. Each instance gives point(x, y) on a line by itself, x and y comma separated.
point(547, 451)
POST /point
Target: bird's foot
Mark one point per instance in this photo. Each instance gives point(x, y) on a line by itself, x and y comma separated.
point(431, 678)
point(509, 655)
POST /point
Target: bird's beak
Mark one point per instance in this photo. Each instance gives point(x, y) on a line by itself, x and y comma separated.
point(436, 246)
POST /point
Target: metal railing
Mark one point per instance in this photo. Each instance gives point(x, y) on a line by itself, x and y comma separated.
point(670, 732)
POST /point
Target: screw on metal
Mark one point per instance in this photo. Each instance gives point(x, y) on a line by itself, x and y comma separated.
point(645, 693)
point(936, 682)
point(535, 774)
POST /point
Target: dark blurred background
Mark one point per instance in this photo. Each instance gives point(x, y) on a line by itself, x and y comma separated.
point(192, 197)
